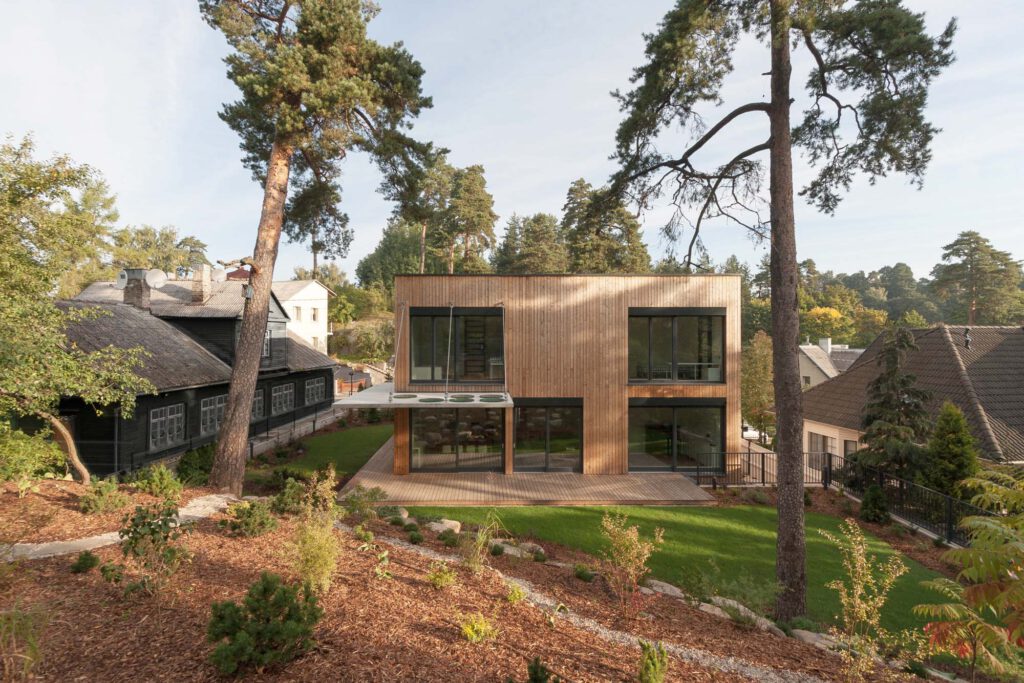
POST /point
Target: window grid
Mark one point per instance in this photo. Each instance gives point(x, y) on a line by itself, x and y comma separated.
point(258, 405)
point(266, 343)
point(211, 413)
point(473, 344)
point(166, 426)
point(315, 390)
point(651, 361)
point(282, 399)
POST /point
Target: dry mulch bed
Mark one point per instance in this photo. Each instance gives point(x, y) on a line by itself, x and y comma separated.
point(53, 514)
point(830, 502)
point(373, 630)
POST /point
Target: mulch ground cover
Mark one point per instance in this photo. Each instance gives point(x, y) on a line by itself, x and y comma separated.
point(53, 513)
point(914, 545)
point(398, 629)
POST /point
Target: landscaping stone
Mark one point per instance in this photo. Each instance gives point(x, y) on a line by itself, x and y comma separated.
point(532, 547)
point(665, 589)
point(444, 524)
point(819, 640)
point(714, 610)
point(403, 513)
point(757, 619)
point(644, 590)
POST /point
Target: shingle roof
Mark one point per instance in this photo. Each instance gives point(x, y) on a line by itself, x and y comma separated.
point(986, 381)
point(175, 360)
point(302, 356)
point(174, 299)
point(842, 359)
point(821, 360)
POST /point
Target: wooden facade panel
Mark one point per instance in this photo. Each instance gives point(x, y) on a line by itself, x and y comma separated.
point(567, 337)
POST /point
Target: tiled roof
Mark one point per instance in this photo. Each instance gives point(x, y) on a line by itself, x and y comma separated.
point(174, 299)
point(842, 359)
point(175, 360)
point(986, 381)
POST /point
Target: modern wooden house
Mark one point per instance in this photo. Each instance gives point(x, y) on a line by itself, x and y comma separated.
point(189, 329)
point(599, 374)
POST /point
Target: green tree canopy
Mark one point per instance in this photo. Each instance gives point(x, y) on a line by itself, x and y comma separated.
point(756, 386)
point(951, 456)
point(981, 284)
point(602, 235)
point(532, 244)
point(41, 226)
point(397, 252)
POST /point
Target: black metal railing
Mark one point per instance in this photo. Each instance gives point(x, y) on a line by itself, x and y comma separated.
point(916, 505)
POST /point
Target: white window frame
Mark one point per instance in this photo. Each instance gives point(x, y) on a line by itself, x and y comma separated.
point(166, 426)
point(316, 390)
point(267, 339)
point(315, 314)
point(282, 399)
point(258, 401)
point(298, 314)
point(211, 414)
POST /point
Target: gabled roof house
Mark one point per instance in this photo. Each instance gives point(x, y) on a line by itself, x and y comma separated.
point(980, 369)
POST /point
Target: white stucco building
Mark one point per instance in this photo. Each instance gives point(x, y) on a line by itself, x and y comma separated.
point(305, 302)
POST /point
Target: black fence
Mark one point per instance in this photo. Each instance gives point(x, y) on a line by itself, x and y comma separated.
point(914, 504)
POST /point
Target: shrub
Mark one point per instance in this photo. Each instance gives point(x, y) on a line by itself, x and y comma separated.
point(874, 507)
point(951, 455)
point(538, 673)
point(476, 628)
point(362, 501)
point(583, 573)
point(157, 480)
point(86, 561)
point(25, 457)
point(274, 624)
point(279, 476)
point(497, 550)
point(290, 498)
point(807, 498)
point(20, 649)
point(441, 575)
point(396, 521)
point(653, 663)
point(515, 593)
point(387, 511)
point(150, 544)
point(316, 554)
point(194, 467)
point(103, 496)
point(249, 519)
point(411, 526)
point(846, 506)
point(362, 534)
point(939, 542)
point(449, 538)
point(474, 546)
point(415, 537)
point(755, 496)
point(380, 570)
point(540, 556)
point(626, 559)
point(320, 494)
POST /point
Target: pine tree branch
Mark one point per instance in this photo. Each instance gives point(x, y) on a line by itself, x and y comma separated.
point(823, 83)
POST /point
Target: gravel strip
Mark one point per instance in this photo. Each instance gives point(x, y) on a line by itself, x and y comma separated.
point(700, 657)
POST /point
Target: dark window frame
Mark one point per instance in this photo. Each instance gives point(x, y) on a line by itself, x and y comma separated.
point(458, 442)
point(674, 314)
point(547, 404)
point(675, 404)
point(434, 313)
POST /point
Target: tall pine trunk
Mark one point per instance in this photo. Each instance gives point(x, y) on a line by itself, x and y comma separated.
point(232, 442)
point(790, 567)
point(423, 248)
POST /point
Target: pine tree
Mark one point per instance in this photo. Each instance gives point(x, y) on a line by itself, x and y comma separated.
point(951, 455)
point(503, 258)
point(895, 416)
point(981, 283)
point(602, 235)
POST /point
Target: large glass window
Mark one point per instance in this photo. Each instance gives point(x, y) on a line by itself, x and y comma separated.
point(549, 438)
point(676, 348)
point(282, 399)
point(166, 426)
point(675, 437)
point(476, 353)
point(315, 390)
point(258, 409)
point(468, 439)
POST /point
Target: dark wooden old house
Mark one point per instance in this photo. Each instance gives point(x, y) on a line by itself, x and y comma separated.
point(189, 329)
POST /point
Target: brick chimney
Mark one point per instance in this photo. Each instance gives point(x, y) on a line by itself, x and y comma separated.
point(202, 286)
point(136, 291)
point(826, 344)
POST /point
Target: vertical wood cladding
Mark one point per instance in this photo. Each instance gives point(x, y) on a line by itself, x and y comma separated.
point(566, 336)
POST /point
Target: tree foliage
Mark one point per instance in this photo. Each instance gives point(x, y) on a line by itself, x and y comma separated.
point(951, 456)
point(602, 235)
point(39, 229)
point(397, 252)
point(533, 244)
point(981, 284)
point(896, 419)
point(756, 385)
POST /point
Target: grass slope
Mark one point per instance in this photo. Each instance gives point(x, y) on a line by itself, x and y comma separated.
point(738, 539)
point(348, 449)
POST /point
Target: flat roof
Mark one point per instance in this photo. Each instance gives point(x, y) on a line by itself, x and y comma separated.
point(384, 396)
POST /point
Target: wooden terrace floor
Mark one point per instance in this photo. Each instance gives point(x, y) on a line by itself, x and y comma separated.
point(525, 488)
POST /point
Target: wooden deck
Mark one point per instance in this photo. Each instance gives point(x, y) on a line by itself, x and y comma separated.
point(525, 488)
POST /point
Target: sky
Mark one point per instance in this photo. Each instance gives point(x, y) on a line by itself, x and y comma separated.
point(133, 89)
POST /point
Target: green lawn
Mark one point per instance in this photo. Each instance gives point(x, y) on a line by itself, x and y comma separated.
point(348, 449)
point(738, 539)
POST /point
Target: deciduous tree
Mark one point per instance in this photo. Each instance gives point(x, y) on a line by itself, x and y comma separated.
point(870, 64)
point(313, 88)
point(756, 385)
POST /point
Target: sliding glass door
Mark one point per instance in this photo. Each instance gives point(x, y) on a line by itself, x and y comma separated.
point(675, 437)
point(462, 440)
point(549, 437)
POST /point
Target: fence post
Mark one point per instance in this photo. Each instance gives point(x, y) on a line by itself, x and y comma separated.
point(949, 519)
point(826, 480)
point(762, 468)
